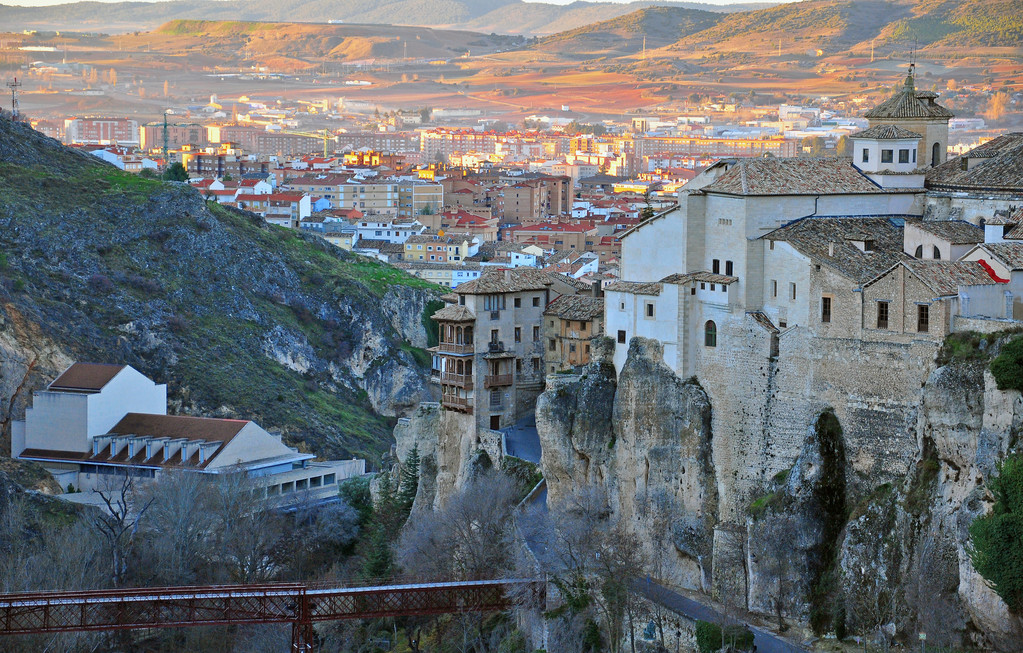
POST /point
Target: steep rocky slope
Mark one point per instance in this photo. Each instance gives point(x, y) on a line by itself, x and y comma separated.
point(239, 318)
point(825, 542)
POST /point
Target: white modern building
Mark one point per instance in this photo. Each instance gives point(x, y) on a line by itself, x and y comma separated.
point(96, 421)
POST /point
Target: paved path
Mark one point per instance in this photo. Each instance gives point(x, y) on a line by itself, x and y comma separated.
point(764, 641)
point(522, 440)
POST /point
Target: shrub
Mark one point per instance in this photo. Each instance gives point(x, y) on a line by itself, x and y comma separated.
point(100, 283)
point(177, 324)
point(708, 637)
point(145, 285)
point(997, 538)
point(1007, 367)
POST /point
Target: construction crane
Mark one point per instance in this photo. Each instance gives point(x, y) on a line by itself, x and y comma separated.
point(324, 134)
point(14, 86)
point(166, 137)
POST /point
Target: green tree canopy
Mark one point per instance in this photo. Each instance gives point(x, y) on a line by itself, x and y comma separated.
point(175, 172)
point(997, 537)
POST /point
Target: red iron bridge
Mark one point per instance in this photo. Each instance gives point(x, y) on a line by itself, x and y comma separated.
point(299, 604)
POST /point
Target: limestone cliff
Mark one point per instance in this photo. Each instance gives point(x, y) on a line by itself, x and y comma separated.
point(646, 439)
point(452, 450)
point(240, 318)
point(826, 539)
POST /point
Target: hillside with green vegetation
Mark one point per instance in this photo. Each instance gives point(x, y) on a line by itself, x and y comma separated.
point(240, 318)
point(803, 27)
point(970, 23)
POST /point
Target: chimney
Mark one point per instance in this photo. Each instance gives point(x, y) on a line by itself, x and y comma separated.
point(831, 249)
point(507, 276)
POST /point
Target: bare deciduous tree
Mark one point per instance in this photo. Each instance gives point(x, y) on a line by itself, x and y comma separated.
point(120, 522)
point(470, 538)
point(592, 559)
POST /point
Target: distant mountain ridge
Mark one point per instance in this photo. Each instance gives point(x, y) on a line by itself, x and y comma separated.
point(828, 24)
point(499, 16)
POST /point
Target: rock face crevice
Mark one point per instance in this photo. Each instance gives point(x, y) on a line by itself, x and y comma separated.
point(881, 547)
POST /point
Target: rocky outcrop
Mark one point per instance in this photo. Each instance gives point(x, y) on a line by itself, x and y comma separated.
point(824, 541)
point(239, 318)
point(646, 439)
point(915, 537)
point(451, 451)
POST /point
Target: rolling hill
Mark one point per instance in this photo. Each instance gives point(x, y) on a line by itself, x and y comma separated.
point(498, 16)
point(654, 27)
point(235, 41)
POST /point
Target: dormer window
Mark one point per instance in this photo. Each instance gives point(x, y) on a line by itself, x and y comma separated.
point(903, 156)
point(887, 156)
point(866, 155)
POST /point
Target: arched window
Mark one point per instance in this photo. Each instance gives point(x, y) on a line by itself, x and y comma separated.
point(937, 253)
point(710, 334)
point(919, 253)
point(936, 154)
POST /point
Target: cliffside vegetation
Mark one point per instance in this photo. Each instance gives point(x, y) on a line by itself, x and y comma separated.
point(998, 536)
point(239, 318)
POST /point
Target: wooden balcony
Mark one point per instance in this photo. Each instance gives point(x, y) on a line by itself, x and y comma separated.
point(497, 380)
point(453, 348)
point(459, 380)
point(462, 404)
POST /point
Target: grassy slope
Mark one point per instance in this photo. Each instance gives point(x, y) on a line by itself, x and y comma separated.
point(202, 282)
point(660, 25)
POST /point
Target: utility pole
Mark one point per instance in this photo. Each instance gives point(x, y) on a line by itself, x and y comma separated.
point(166, 139)
point(14, 86)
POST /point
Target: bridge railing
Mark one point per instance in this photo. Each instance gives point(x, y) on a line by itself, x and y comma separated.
point(296, 603)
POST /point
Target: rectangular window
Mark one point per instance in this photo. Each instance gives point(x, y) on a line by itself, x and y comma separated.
point(715, 266)
point(882, 315)
point(582, 326)
point(518, 334)
point(923, 318)
point(792, 290)
point(728, 268)
point(621, 337)
point(571, 348)
point(552, 345)
point(536, 333)
point(903, 156)
point(774, 288)
point(493, 335)
point(825, 309)
point(887, 156)
point(536, 301)
point(649, 309)
point(866, 155)
point(518, 302)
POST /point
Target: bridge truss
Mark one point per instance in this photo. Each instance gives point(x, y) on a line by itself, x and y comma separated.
point(299, 604)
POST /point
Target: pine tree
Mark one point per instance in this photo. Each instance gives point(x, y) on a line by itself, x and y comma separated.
point(378, 559)
point(409, 480)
